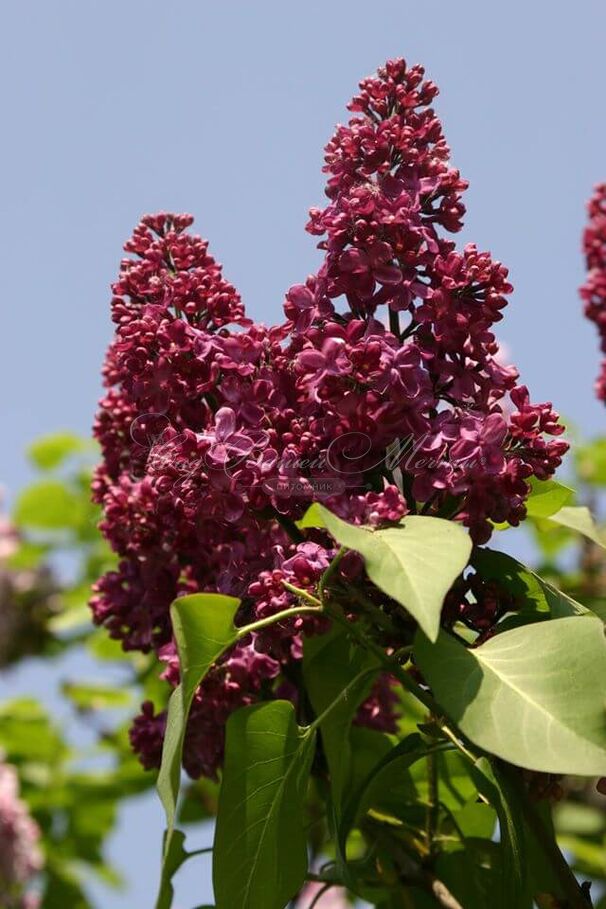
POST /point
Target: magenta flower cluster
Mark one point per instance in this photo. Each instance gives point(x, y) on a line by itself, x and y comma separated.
point(382, 394)
point(20, 855)
point(593, 291)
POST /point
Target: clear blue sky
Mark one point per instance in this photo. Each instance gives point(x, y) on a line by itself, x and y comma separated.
point(111, 109)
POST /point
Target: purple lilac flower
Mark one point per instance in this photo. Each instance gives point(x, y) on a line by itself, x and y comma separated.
point(217, 432)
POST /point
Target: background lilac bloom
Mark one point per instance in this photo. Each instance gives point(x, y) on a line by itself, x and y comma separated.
point(20, 856)
point(332, 898)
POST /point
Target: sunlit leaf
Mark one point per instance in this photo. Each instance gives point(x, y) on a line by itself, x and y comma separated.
point(547, 497)
point(415, 562)
point(534, 696)
point(474, 819)
point(577, 818)
point(579, 519)
point(27, 734)
point(588, 857)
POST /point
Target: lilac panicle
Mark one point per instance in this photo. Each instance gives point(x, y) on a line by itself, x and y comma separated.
point(218, 432)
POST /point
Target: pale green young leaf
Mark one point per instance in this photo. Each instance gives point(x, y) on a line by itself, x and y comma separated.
point(547, 497)
point(415, 562)
point(579, 519)
point(586, 856)
point(534, 696)
point(27, 734)
point(578, 819)
point(590, 460)
point(313, 517)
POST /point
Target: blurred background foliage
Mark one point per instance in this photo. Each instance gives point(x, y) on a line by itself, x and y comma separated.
point(50, 554)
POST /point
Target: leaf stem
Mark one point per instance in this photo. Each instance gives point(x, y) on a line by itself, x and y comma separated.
point(303, 594)
point(330, 572)
point(342, 696)
point(200, 852)
point(394, 322)
point(277, 617)
point(290, 527)
point(320, 894)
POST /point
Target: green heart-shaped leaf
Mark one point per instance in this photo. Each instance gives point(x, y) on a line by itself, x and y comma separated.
point(534, 696)
point(415, 562)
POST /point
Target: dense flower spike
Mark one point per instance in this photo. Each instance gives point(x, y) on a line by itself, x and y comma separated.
point(382, 394)
point(434, 379)
point(593, 291)
point(20, 856)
